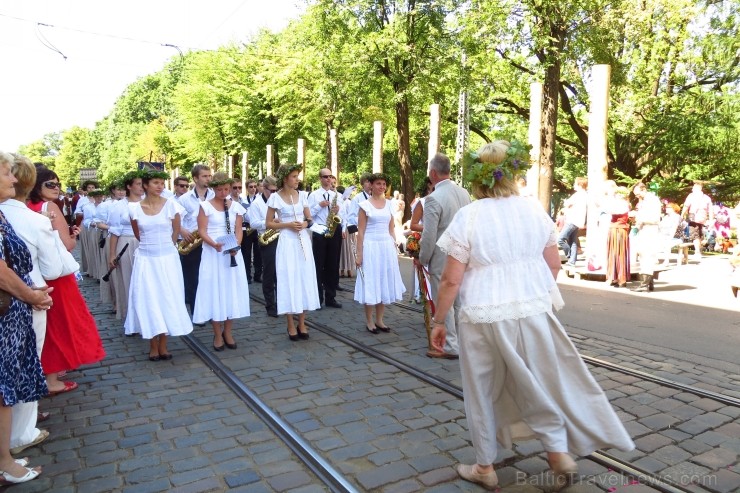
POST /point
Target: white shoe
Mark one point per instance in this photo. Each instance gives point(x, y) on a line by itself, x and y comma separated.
point(30, 474)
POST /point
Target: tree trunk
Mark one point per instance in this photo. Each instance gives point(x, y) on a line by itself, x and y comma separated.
point(404, 154)
point(550, 91)
point(327, 143)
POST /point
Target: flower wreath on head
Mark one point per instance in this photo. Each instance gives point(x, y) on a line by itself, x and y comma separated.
point(286, 170)
point(516, 162)
point(153, 174)
point(221, 181)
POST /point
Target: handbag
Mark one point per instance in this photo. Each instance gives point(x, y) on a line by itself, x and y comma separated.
point(69, 264)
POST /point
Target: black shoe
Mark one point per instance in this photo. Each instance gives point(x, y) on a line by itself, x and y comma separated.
point(382, 329)
point(218, 348)
point(258, 279)
point(293, 337)
point(249, 281)
point(372, 330)
point(303, 335)
point(272, 314)
point(230, 346)
point(333, 304)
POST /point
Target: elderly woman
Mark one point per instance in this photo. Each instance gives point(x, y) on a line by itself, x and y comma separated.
point(521, 374)
point(21, 378)
point(36, 232)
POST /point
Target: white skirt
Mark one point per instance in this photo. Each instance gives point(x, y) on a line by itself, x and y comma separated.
point(121, 276)
point(156, 302)
point(524, 379)
point(380, 281)
point(296, 274)
point(223, 291)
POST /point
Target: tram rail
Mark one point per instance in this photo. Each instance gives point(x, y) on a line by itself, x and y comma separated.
point(608, 460)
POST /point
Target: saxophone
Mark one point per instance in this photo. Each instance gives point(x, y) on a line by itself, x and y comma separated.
point(268, 237)
point(332, 220)
point(184, 247)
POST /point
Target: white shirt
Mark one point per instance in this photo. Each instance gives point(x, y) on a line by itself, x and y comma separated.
point(81, 203)
point(257, 214)
point(119, 218)
point(501, 243)
point(191, 203)
point(575, 209)
point(318, 213)
point(353, 209)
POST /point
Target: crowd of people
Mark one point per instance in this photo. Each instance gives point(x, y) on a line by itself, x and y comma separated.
point(646, 231)
point(167, 261)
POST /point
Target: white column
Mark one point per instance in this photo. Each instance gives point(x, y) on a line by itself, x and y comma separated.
point(535, 126)
point(301, 157)
point(245, 171)
point(270, 158)
point(377, 146)
point(434, 132)
point(334, 153)
point(597, 148)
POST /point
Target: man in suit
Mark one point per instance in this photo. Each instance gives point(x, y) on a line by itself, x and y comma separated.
point(439, 209)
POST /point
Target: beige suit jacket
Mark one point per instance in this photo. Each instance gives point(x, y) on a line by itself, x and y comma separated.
point(439, 209)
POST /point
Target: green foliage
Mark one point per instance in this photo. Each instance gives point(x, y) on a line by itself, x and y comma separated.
point(674, 100)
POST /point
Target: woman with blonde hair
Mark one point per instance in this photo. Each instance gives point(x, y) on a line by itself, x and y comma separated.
point(521, 375)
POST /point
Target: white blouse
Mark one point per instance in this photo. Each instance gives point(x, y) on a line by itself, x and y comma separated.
point(501, 241)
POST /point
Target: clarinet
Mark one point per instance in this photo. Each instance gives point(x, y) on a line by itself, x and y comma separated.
point(300, 238)
point(228, 231)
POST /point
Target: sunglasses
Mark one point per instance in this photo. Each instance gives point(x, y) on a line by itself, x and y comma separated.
point(252, 186)
point(272, 190)
point(237, 188)
point(326, 176)
point(52, 185)
point(182, 185)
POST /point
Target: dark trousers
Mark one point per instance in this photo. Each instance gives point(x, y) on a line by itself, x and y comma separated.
point(251, 248)
point(269, 276)
point(190, 267)
point(326, 255)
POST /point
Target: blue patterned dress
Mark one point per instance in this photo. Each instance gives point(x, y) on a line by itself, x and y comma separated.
point(21, 377)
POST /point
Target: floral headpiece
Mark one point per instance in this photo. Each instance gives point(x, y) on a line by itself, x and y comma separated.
point(150, 174)
point(480, 167)
point(220, 179)
point(285, 169)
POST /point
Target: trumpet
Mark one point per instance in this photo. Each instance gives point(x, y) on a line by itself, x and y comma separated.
point(184, 247)
point(268, 237)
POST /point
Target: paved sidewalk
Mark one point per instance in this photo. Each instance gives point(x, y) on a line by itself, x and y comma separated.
point(140, 426)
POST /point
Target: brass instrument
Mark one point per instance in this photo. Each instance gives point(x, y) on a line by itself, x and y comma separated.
point(184, 247)
point(332, 220)
point(268, 237)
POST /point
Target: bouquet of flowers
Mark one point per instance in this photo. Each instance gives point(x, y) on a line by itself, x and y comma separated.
point(413, 244)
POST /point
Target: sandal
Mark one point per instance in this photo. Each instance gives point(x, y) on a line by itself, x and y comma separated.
point(68, 387)
point(468, 472)
point(43, 435)
point(30, 474)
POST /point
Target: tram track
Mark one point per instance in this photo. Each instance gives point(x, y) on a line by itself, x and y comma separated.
point(666, 382)
point(605, 459)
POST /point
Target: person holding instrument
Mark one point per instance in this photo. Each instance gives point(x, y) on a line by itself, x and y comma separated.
point(522, 376)
point(380, 282)
point(222, 279)
point(295, 269)
point(156, 301)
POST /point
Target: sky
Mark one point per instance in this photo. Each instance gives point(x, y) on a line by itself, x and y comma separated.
point(108, 44)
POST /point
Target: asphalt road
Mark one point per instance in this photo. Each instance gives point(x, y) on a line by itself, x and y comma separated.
point(693, 333)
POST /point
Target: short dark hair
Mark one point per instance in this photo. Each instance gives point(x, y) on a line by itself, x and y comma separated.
point(42, 174)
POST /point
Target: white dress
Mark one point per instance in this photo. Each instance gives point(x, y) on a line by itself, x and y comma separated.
point(156, 299)
point(382, 277)
point(521, 374)
point(223, 292)
point(296, 273)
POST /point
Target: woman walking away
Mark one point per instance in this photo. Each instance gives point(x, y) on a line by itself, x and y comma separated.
point(379, 283)
point(521, 375)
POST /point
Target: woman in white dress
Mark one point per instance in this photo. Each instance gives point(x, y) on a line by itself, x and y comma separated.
point(287, 211)
point(521, 375)
point(379, 282)
point(156, 300)
point(222, 278)
point(122, 234)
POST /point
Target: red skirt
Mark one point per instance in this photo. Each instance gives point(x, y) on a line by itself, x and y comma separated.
point(72, 338)
point(618, 255)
